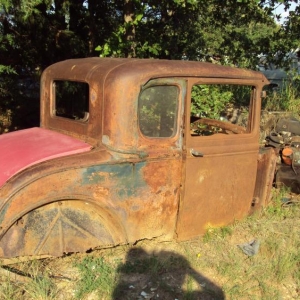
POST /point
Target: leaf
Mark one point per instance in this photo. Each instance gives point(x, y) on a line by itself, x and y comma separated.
point(139, 17)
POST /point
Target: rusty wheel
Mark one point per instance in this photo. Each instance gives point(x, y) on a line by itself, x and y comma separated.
point(58, 228)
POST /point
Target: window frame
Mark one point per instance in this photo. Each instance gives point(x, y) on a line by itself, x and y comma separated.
point(225, 81)
point(86, 116)
point(162, 82)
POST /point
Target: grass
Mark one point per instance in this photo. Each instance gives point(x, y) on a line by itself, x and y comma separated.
point(96, 275)
point(28, 281)
point(210, 267)
point(287, 98)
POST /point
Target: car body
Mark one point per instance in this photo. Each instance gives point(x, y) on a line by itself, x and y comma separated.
point(119, 157)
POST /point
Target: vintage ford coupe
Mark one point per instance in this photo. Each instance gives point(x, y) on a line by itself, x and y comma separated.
point(132, 149)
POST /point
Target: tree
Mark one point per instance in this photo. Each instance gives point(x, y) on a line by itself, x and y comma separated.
point(235, 31)
point(37, 33)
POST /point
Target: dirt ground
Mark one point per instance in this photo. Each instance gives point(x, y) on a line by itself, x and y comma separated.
point(150, 270)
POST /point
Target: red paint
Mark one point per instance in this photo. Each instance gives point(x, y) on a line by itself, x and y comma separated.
point(21, 149)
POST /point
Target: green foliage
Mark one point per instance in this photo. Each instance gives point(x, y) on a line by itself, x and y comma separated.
point(284, 265)
point(6, 70)
point(285, 98)
point(277, 209)
point(27, 280)
point(9, 290)
point(213, 233)
point(41, 288)
point(105, 50)
point(96, 275)
point(5, 85)
point(212, 100)
point(209, 100)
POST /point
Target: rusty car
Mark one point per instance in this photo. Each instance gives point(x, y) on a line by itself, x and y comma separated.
point(133, 149)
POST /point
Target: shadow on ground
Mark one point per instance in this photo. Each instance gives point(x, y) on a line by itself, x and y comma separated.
point(163, 275)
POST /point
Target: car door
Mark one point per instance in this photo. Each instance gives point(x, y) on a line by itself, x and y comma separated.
point(220, 154)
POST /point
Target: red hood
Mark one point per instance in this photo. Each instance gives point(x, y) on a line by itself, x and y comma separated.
point(23, 148)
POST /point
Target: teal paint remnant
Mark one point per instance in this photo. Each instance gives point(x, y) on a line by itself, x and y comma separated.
point(123, 180)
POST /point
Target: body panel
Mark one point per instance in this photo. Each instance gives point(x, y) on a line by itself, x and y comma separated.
point(135, 201)
point(118, 185)
point(220, 182)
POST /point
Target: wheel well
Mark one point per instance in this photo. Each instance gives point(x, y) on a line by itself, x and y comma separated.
point(62, 226)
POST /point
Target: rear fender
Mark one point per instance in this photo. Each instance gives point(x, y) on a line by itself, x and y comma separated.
point(141, 197)
point(61, 227)
point(59, 187)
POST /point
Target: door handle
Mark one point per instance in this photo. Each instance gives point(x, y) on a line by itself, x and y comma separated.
point(196, 153)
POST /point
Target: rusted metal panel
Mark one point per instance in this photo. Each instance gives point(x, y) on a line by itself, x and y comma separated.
point(58, 228)
point(128, 186)
point(289, 178)
point(264, 178)
point(130, 201)
point(218, 185)
point(218, 190)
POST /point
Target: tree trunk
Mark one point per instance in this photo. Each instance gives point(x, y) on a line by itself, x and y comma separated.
point(130, 30)
point(92, 26)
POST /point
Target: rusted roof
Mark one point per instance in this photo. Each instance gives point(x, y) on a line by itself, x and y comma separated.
point(85, 68)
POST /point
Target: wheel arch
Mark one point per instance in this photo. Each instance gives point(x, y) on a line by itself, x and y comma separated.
point(78, 224)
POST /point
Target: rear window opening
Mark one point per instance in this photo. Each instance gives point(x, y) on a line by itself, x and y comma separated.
point(157, 111)
point(71, 100)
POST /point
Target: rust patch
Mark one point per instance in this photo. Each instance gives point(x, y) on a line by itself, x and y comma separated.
point(100, 191)
point(158, 174)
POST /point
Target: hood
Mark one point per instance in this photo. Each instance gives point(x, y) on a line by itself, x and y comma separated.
point(24, 148)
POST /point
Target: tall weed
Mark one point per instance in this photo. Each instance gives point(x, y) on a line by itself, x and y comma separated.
point(286, 98)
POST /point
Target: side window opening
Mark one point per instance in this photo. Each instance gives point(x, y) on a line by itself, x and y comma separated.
point(220, 109)
point(71, 99)
point(157, 111)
